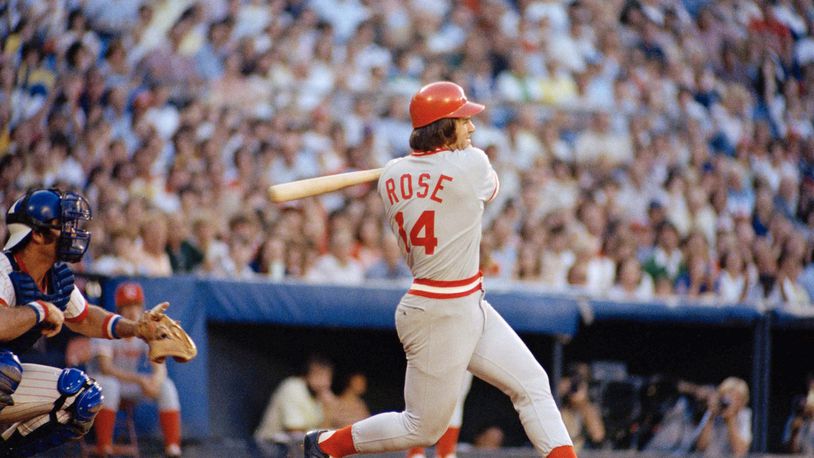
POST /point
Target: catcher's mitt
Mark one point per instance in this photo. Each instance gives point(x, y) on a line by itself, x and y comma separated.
point(164, 336)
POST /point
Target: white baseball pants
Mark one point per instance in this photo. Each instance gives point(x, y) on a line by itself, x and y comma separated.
point(33, 401)
point(115, 390)
point(442, 338)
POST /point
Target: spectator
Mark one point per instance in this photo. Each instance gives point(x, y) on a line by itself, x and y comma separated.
point(122, 369)
point(184, 257)
point(631, 284)
point(529, 266)
point(733, 281)
point(672, 410)
point(490, 438)
point(600, 146)
point(505, 247)
point(726, 428)
point(391, 266)
point(237, 264)
point(297, 405)
point(368, 249)
point(152, 259)
point(582, 417)
point(337, 266)
point(214, 250)
point(792, 293)
point(667, 256)
point(270, 260)
point(350, 407)
point(557, 258)
point(696, 281)
point(764, 290)
point(119, 261)
point(798, 434)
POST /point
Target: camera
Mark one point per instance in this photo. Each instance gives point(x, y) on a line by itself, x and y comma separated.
point(725, 402)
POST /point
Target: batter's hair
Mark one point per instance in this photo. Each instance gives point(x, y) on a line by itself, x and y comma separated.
point(435, 135)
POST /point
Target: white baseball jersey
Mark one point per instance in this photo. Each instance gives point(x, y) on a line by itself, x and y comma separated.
point(434, 203)
point(75, 311)
point(127, 354)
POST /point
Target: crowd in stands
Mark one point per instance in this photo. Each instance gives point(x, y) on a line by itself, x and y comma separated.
point(645, 148)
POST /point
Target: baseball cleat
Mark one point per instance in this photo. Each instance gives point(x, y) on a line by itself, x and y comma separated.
point(311, 444)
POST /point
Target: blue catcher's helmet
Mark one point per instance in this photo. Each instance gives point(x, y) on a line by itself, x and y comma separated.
point(43, 209)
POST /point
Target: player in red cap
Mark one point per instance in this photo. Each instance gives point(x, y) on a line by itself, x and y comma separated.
point(434, 200)
point(123, 370)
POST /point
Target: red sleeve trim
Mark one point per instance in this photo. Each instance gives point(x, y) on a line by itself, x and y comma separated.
point(497, 187)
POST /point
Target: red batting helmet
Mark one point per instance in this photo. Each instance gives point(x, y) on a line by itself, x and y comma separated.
point(441, 100)
point(129, 293)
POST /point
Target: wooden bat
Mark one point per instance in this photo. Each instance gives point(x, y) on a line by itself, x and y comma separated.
point(308, 187)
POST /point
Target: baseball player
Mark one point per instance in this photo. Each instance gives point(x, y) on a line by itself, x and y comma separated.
point(434, 200)
point(118, 367)
point(42, 407)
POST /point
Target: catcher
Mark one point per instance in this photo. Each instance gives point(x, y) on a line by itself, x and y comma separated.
point(42, 407)
point(121, 369)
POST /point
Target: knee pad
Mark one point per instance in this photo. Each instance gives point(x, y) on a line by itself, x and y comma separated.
point(71, 380)
point(11, 372)
point(87, 400)
point(88, 395)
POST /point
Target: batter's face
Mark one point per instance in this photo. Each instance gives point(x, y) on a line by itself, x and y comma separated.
point(463, 133)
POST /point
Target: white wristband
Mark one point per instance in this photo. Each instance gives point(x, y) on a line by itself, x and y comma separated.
point(39, 310)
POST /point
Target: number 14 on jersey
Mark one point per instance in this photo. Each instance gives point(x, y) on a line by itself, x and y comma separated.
point(422, 234)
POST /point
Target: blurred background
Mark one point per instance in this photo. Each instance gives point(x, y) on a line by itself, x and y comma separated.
point(653, 236)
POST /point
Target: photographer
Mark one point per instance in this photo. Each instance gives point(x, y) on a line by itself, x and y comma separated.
point(726, 428)
point(798, 435)
point(581, 416)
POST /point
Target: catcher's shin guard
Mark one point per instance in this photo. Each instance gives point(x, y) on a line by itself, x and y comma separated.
point(87, 400)
point(11, 372)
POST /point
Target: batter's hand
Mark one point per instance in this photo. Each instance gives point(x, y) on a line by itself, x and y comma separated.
point(54, 318)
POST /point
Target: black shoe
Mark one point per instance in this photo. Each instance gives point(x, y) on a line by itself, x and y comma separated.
point(311, 444)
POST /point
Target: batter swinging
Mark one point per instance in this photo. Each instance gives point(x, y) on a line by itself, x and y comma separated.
point(434, 200)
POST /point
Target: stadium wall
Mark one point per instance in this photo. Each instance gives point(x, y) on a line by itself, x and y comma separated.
point(253, 334)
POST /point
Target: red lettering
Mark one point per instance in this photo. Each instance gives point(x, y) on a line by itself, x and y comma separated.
point(406, 191)
point(424, 185)
point(439, 186)
point(390, 185)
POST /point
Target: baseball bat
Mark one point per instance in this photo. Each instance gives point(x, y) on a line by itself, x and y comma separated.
point(308, 187)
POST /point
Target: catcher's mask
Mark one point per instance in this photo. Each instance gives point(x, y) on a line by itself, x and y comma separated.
point(45, 209)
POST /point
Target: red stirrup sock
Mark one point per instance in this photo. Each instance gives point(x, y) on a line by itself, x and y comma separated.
point(338, 444)
point(170, 426)
point(563, 451)
point(416, 451)
point(105, 423)
point(448, 443)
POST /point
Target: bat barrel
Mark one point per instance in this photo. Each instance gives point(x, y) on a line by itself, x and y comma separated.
point(309, 187)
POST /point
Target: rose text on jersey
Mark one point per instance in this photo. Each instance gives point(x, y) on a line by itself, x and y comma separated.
point(423, 183)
